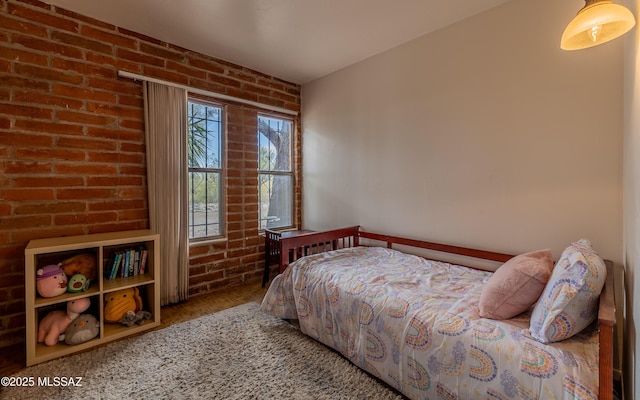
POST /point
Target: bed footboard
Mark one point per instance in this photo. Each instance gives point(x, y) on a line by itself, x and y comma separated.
point(606, 324)
point(306, 244)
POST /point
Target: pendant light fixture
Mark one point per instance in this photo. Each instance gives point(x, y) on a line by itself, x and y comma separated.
point(598, 22)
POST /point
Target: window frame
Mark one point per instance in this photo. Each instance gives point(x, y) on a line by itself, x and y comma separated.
point(290, 173)
point(221, 171)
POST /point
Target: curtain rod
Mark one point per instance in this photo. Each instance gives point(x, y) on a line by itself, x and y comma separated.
point(130, 75)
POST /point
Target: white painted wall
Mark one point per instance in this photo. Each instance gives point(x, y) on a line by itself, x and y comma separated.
point(483, 134)
point(632, 205)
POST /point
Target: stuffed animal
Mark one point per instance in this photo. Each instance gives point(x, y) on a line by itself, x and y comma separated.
point(51, 281)
point(78, 283)
point(82, 329)
point(56, 322)
point(131, 317)
point(116, 304)
point(84, 263)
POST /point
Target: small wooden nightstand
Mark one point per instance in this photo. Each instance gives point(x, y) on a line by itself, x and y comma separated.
point(272, 248)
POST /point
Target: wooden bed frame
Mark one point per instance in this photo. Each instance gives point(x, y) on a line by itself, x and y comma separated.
point(317, 242)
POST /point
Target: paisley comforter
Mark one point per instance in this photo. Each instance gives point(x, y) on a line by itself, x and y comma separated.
point(414, 324)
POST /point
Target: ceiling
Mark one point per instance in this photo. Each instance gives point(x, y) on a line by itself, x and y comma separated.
point(294, 40)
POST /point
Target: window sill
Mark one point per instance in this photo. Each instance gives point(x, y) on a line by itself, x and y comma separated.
point(207, 242)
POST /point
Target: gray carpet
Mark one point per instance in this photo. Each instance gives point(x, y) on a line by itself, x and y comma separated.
point(240, 353)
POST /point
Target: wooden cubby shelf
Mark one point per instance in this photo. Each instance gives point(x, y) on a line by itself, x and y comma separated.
point(41, 252)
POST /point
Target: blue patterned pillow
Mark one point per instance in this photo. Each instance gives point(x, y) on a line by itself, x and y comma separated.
point(569, 302)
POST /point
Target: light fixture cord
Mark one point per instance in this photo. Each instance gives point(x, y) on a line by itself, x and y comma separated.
point(590, 2)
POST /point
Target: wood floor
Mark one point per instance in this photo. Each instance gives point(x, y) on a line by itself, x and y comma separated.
point(172, 314)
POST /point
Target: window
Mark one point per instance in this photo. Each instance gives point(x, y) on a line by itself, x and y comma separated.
point(204, 145)
point(275, 173)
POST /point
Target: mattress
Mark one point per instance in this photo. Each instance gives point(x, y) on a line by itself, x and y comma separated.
point(414, 324)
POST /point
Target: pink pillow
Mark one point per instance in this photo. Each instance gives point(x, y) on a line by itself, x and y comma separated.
point(516, 285)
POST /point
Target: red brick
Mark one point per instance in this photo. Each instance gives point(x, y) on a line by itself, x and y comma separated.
point(48, 232)
point(49, 181)
point(19, 25)
point(17, 222)
point(131, 124)
point(125, 86)
point(37, 154)
point(119, 181)
point(19, 167)
point(139, 57)
point(42, 17)
point(84, 118)
point(206, 65)
point(161, 52)
point(132, 147)
point(83, 68)
point(81, 42)
point(84, 219)
point(75, 169)
point(26, 194)
point(117, 205)
point(26, 111)
point(23, 56)
point(47, 74)
point(5, 209)
point(183, 69)
point(110, 109)
point(112, 37)
point(28, 140)
point(46, 99)
point(130, 193)
point(51, 208)
point(104, 60)
point(84, 193)
point(161, 73)
point(87, 144)
point(133, 170)
point(48, 46)
point(84, 93)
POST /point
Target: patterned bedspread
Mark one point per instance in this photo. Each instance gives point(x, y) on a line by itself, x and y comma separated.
point(414, 323)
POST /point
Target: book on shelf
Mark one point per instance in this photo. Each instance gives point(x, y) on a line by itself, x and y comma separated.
point(126, 263)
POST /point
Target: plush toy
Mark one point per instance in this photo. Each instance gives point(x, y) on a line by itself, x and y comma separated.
point(78, 283)
point(84, 263)
point(51, 281)
point(116, 304)
point(56, 322)
point(82, 329)
point(131, 317)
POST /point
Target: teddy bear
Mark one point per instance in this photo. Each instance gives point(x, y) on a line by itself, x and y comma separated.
point(82, 329)
point(56, 322)
point(116, 304)
point(78, 283)
point(51, 281)
point(131, 317)
point(83, 263)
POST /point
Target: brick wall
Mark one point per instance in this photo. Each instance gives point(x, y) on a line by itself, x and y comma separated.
point(72, 155)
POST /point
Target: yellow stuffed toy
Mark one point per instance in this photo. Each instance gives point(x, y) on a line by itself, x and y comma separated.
point(116, 304)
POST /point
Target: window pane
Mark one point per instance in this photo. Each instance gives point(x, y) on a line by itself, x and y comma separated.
point(205, 170)
point(204, 204)
point(205, 126)
point(276, 200)
point(274, 144)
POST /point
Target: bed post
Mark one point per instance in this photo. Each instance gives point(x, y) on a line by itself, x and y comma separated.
point(606, 323)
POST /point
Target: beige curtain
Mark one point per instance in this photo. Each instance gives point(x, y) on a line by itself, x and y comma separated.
point(165, 109)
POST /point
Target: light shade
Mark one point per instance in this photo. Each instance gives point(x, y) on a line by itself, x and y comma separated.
point(598, 22)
